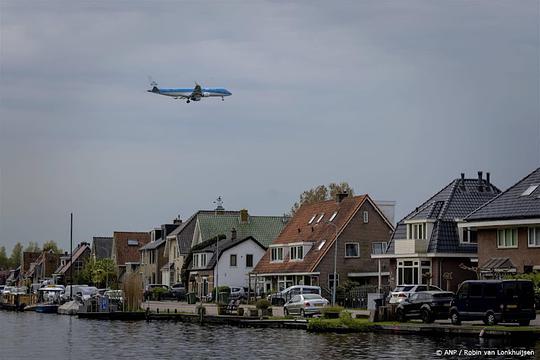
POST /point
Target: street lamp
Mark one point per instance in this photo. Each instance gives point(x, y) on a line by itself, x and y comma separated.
point(335, 263)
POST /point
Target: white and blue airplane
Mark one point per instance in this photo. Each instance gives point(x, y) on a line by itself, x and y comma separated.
point(190, 94)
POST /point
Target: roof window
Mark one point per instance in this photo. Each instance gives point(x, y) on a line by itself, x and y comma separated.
point(529, 190)
point(333, 216)
point(321, 244)
point(320, 218)
point(312, 218)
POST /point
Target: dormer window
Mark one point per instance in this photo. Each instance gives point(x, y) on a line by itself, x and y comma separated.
point(320, 218)
point(416, 231)
point(133, 242)
point(199, 260)
point(333, 216)
point(277, 254)
point(297, 252)
point(312, 218)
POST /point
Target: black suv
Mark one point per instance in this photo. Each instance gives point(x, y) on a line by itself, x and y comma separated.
point(425, 305)
point(494, 301)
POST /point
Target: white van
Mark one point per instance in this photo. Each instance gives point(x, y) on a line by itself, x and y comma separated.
point(72, 290)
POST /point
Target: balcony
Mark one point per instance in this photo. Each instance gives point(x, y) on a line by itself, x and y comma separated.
point(410, 246)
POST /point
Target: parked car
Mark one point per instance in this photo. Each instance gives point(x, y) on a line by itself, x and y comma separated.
point(426, 305)
point(179, 291)
point(239, 293)
point(71, 291)
point(494, 301)
point(282, 297)
point(402, 292)
point(305, 304)
point(166, 294)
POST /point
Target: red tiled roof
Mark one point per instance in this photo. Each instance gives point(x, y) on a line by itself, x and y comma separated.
point(299, 230)
point(125, 253)
point(76, 254)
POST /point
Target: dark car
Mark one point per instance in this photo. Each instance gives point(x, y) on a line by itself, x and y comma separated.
point(179, 291)
point(426, 305)
point(494, 301)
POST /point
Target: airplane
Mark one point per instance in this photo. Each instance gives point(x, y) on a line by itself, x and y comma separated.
point(188, 94)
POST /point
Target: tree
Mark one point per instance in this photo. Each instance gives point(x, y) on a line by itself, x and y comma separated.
point(100, 272)
point(4, 260)
point(51, 245)
point(16, 256)
point(321, 193)
point(33, 247)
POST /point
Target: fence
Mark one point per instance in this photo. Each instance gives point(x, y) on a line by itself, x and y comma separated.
point(356, 297)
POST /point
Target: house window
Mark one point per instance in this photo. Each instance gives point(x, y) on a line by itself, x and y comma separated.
point(331, 280)
point(416, 231)
point(529, 190)
point(470, 236)
point(321, 244)
point(352, 250)
point(249, 260)
point(366, 217)
point(297, 253)
point(277, 254)
point(312, 218)
point(320, 218)
point(534, 236)
point(507, 238)
point(413, 271)
point(333, 216)
point(133, 242)
point(233, 260)
point(199, 260)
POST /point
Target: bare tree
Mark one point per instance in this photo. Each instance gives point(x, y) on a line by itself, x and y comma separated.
point(321, 193)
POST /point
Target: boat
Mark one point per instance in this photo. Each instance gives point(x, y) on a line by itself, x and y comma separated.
point(46, 308)
point(49, 299)
point(16, 298)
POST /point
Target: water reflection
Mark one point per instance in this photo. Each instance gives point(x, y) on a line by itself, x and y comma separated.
point(32, 335)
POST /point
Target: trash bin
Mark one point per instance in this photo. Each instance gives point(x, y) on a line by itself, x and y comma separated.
point(378, 302)
point(191, 298)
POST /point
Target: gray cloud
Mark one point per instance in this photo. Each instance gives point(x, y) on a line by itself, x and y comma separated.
point(395, 97)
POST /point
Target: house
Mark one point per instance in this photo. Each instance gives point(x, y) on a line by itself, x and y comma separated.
point(304, 253)
point(507, 229)
point(125, 251)
point(207, 224)
point(152, 254)
point(43, 267)
point(427, 246)
point(230, 262)
point(72, 265)
point(102, 247)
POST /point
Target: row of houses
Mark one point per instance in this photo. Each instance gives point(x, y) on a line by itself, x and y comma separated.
point(467, 229)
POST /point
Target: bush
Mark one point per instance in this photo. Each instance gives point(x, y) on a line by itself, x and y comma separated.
point(262, 304)
point(332, 312)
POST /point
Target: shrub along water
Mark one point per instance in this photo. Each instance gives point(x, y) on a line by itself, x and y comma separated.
point(133, 292)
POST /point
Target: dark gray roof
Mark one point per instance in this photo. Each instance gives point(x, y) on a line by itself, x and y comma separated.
point(153, 245)
point(102, 247)
point(511, 204)
point(454, 201)
point(224, 244)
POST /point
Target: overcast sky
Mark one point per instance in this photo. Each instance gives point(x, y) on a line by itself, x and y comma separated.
point(395, 97)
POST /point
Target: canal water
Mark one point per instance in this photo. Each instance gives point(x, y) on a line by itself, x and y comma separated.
point(45, 336)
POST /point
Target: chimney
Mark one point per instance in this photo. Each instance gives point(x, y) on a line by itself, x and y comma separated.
point(219, 206)
point(488, 182)
point(244, 216)
point(341, 196)
point(233, 234)
point(462, 183)
point(177, 221)
point(480, 187)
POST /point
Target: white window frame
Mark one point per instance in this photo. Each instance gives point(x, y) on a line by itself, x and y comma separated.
point(276, 254)
point(357, 247)
point(320, 218)
point(366, 216)
point(330, 277)
point(312, 218)
point(533, 233)
point(467, 237)
point(333, 216)
point(295, 252)
point(321, 245)
point(416, 231)
point(502, 241)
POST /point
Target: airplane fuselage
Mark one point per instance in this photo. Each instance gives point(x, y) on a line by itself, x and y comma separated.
point(190, 93)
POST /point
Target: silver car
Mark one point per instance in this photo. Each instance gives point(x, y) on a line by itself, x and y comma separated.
point(305, 304)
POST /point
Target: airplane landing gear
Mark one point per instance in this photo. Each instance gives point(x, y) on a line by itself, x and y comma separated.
point(222, 98)
point(187, 102)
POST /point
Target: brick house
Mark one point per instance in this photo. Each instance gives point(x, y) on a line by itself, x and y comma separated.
point(43, 267)
point(427, 246)
point(152, 254)
point(125, 251)
point(81, 254)
point(303, 253)
point(508, 230)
